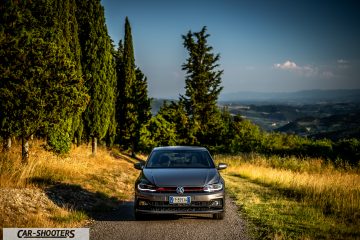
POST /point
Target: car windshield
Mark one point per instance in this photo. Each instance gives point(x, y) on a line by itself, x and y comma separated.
point(180, 159)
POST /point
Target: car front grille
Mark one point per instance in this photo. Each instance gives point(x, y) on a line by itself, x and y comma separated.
point(196, 206)
point(167, 204)
point(179, 209)
point(186, 190)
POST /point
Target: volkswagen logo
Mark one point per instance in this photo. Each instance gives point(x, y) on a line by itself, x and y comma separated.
point(180, 190)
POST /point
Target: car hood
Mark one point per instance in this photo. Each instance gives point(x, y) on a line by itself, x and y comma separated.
point(181, 176)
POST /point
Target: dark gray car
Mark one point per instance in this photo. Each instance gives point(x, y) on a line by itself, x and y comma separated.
point(179, 180)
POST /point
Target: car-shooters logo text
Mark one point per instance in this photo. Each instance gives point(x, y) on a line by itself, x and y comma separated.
point(46, 233)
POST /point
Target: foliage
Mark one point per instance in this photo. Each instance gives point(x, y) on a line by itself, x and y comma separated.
point(40, 82)
point(60, 135)
point(175, 113)
point(202, 85)
point(132, 104)
point(157, 132)
point(59, 139)
point(142, 106)
point(127, 117)
point(98, 67)
point(348, 150)
point(247, 138)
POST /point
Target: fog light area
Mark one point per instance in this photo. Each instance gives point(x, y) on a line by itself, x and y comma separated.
point(143, 203)
point(216, 203)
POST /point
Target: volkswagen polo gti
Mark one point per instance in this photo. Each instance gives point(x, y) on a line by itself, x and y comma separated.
point(179, 180)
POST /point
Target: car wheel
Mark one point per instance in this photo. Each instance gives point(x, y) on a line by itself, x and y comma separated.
point(219, 216)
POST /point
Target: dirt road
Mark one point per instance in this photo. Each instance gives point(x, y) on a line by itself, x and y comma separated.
point(120, 224)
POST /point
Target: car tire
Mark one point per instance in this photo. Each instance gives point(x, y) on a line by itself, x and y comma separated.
point(219, 216)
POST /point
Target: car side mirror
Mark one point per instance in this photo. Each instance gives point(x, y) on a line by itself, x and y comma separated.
point(221, 166)
point(139, 165)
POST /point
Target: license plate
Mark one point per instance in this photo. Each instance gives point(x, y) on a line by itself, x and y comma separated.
point(179, 200)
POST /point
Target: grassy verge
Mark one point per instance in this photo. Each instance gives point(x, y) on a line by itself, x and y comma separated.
point(288, 198)
point(46, 192)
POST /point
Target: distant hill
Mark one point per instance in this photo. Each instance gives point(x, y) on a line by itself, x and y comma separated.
point(299, 97)
point(333, 127)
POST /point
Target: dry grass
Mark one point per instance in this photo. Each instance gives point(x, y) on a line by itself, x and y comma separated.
point(334, 194)
point(108, 174)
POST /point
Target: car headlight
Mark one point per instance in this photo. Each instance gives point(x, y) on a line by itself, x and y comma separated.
point(213, 187)
point(146, 187)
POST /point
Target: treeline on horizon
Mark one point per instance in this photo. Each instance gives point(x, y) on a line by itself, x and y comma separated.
point(62, 80)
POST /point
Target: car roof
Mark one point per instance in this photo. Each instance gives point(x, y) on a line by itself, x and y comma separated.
point(180, 148)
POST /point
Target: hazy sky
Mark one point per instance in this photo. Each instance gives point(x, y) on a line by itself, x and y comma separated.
point(264, 45)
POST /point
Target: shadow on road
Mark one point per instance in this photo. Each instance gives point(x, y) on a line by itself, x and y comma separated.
point(99, 206)
point(96, 205)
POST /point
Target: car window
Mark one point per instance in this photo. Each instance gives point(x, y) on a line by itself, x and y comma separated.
point(180, 159)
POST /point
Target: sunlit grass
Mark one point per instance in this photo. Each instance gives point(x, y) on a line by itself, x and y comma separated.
point(108, 173)
point(295, 198)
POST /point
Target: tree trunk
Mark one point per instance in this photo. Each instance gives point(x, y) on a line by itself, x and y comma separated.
point(133, 150)
point(94, 145)
point(25, 149)
point(7, 144)
point(78, 140)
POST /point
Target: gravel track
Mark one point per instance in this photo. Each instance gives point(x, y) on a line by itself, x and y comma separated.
point(120, 224)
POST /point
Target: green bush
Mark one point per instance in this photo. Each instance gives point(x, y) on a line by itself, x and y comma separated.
point(316, 148)
point(157, 132)
point(247, 137)
point(59, 139)
point(348, 150)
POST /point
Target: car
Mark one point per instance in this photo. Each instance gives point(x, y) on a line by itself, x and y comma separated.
point(179, 180)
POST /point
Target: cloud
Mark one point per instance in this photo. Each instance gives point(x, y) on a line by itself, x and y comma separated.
point(306, 70)
point(328, 74)
point(342, 61)
point(286, 65)
point(309, 71)
point(343, 64)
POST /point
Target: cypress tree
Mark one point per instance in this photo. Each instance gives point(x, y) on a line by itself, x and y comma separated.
point(98, 69)
point(121, 96)
point(39, 82)
point(111, 133)
point(142, 106)
point(133, 104)
point(60, 135)
point(126, 79)
point(202, 87)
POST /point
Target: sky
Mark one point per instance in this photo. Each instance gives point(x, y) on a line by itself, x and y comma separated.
point(264, 46)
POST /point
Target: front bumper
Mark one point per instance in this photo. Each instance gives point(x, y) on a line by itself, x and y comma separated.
point(158, 203)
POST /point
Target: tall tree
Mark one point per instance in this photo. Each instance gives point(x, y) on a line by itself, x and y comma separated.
point(39, 82)
point(142, 106)
point(133, 104)
point(60, 135)
point(126, 80)
point(98, 69)
point(121, 95)
point(202, 87)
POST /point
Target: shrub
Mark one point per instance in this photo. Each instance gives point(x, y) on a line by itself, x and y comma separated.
point(157, 132)
point(59, 140)
point(348, 150)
